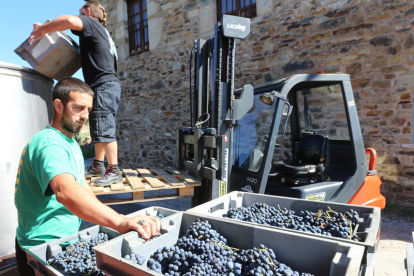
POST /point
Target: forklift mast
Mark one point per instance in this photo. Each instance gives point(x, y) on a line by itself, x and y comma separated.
point(204, 149)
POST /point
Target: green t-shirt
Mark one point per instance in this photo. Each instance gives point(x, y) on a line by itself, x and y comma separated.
point(41, 218)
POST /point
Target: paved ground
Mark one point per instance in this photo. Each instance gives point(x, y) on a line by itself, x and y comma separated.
point(396, 232)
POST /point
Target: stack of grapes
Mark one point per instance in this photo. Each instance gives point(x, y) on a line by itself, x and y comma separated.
point(79, 258)
point(203, 251)
point(329, 223)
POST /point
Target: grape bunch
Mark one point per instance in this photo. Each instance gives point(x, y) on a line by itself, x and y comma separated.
point(160, 216)
point(203, 251)
point(328, 223)
point(262, 262)
point(79, 258)
point(135, 258)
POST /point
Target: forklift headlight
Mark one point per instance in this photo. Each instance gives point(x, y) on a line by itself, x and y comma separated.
point(267, 98)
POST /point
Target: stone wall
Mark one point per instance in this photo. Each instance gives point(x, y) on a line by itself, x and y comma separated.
point(370, 40)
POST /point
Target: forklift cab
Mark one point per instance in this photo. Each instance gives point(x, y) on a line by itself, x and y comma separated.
point(301, 139)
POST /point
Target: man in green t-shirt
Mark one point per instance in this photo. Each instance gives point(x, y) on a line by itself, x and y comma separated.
point(50, 195)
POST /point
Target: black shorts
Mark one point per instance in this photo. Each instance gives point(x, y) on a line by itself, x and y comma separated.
point(102, 122)
point(21, 258)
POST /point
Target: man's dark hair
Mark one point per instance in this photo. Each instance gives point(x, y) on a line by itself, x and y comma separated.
point(63, 88)
point(97, 11)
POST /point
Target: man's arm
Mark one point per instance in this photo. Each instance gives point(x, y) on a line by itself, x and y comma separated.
point(87, 187)
point(60, 23)
point(85, 205)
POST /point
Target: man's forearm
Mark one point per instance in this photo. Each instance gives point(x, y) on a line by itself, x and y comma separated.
point(61, 23)
point(85, 205)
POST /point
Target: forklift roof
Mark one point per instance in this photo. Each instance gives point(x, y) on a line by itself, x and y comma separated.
point(285, 85)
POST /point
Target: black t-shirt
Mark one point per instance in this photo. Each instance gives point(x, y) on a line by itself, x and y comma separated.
point(98, 53)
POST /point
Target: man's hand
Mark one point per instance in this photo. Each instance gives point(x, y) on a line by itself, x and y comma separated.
point(37, 33)
point(146, 226)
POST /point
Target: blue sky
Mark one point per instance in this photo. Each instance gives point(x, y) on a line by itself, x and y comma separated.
point(17, 18)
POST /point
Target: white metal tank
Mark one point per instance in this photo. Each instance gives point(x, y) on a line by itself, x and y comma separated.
point(25, 108)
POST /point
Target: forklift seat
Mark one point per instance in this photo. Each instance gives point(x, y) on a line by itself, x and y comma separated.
point(308, 164)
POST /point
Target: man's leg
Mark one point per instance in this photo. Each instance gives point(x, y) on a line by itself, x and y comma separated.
point(98, 167)
point(110, 150)
point(22, 266)
point(100, 151)
point(113, 173)
point(107, 100)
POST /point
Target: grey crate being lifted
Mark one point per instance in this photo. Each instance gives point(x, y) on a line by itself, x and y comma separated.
point(368, 228)
point(56, 55)
point(302, 253)
point(38, 255)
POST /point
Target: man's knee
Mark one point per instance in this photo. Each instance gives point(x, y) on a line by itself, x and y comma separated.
point(102, 126)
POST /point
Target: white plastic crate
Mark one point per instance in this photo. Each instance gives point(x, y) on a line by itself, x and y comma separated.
point(38, 255)
point(153, 212)
point(303, 253)
point(368, 226)
point(56, 55)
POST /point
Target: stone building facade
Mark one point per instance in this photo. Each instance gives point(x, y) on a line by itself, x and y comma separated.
point(372, 40)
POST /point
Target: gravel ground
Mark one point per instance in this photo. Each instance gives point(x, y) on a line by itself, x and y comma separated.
point(396, 232)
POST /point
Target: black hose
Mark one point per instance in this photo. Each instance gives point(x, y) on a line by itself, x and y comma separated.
point(191, 91)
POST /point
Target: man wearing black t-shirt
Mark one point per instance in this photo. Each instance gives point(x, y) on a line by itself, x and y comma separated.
point(99, 62)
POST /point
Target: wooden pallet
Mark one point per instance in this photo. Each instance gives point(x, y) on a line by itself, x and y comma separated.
point(140, 181)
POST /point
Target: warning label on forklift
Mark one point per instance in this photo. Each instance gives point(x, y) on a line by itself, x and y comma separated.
point(226, 162)
point(223, 182)
point(223, 190)
point(316, 197)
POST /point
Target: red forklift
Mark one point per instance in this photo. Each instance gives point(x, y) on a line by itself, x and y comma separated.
point(296, 137)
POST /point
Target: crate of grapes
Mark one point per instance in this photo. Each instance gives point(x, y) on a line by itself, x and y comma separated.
point(72, 255)
point(341, 222)
point(53, 259)
point(193, 244)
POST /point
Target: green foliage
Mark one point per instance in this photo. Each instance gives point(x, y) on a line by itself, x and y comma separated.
point(87, 151)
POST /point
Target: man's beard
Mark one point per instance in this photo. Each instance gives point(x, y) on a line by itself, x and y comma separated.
point(70, 127)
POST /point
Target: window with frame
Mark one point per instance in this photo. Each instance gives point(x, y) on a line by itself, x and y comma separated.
point(138, 26)
point(243, 8)
point(322, 111)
